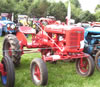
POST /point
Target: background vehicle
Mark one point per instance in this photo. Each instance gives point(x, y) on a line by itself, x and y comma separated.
point(8, 25)
point(92, 42)
point(92, 38)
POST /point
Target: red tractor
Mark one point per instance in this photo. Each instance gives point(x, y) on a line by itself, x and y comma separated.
point(7, 72)
point(55, 42)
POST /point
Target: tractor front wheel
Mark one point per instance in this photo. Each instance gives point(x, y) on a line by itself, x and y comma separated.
point(85, 66)
point(97, 60)
point(8, 79)
point(39, 72)
point(11, 48)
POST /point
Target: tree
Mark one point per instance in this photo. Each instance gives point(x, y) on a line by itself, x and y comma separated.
point(86, 16)
point(76, 3)
point(21, 7)
point(75, 12)
point(7, 6)
point(97, 7)
point(97, 15)
point(38, 8)
point(58, 10)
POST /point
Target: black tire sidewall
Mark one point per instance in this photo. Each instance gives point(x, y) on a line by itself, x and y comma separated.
point(96, 60)
point(90, 70)
point(43, 71)
point(13, 42)
point(8, 64)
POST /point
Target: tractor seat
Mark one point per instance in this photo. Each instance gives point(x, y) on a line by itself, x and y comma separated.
point(27, 30)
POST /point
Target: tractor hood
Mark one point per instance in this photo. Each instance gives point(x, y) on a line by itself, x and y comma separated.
point(95, 30)
point(61, 29)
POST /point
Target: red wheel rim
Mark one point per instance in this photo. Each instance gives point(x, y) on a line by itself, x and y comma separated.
point(36, 73)
point(83, 66)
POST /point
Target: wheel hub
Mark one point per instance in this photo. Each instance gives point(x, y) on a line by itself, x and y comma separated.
point(37, 72)
point(84, 66)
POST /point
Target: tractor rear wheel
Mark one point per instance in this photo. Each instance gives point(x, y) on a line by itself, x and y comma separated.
point(8, 80)
point(85, 67)
point(11, 48)
point(97, 60)
point(39, 72)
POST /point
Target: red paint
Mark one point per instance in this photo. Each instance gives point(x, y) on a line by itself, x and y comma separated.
point(83, 65)
point(2, 70)
point(37, 72)
point(22, 39)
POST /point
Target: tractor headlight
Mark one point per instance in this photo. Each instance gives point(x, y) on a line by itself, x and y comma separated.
point(81, 44)
point(8, 25)
point(60, 37)
point(12, 26)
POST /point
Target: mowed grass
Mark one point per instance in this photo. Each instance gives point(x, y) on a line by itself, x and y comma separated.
point(62, 74)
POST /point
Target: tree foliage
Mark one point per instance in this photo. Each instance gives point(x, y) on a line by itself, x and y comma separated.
point(38, 8)
point(97, 15)
point(43, 8)
point(76, 3)
point(58, 10)
point(7, 6)
point(87, 16)
point(21, 6)
point(97, 7)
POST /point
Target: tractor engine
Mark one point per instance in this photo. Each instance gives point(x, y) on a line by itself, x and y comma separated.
point(74, 39)
point(65, 39)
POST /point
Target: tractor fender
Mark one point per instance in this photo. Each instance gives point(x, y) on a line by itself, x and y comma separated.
point(27, 30)
point(22, 38)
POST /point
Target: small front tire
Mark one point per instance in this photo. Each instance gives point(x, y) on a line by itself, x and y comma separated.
point(86, 67)
point(39, 72)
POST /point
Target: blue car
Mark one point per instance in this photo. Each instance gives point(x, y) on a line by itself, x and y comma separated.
point(7, 26)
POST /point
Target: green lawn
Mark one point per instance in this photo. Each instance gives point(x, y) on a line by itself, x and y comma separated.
point(62, 74)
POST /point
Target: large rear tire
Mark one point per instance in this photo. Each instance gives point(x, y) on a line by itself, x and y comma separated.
point(86, 68)
point(9, 79)
point(11, 48)
point(39, 72)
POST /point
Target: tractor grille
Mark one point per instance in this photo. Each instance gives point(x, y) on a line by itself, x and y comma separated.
point(74, 39)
